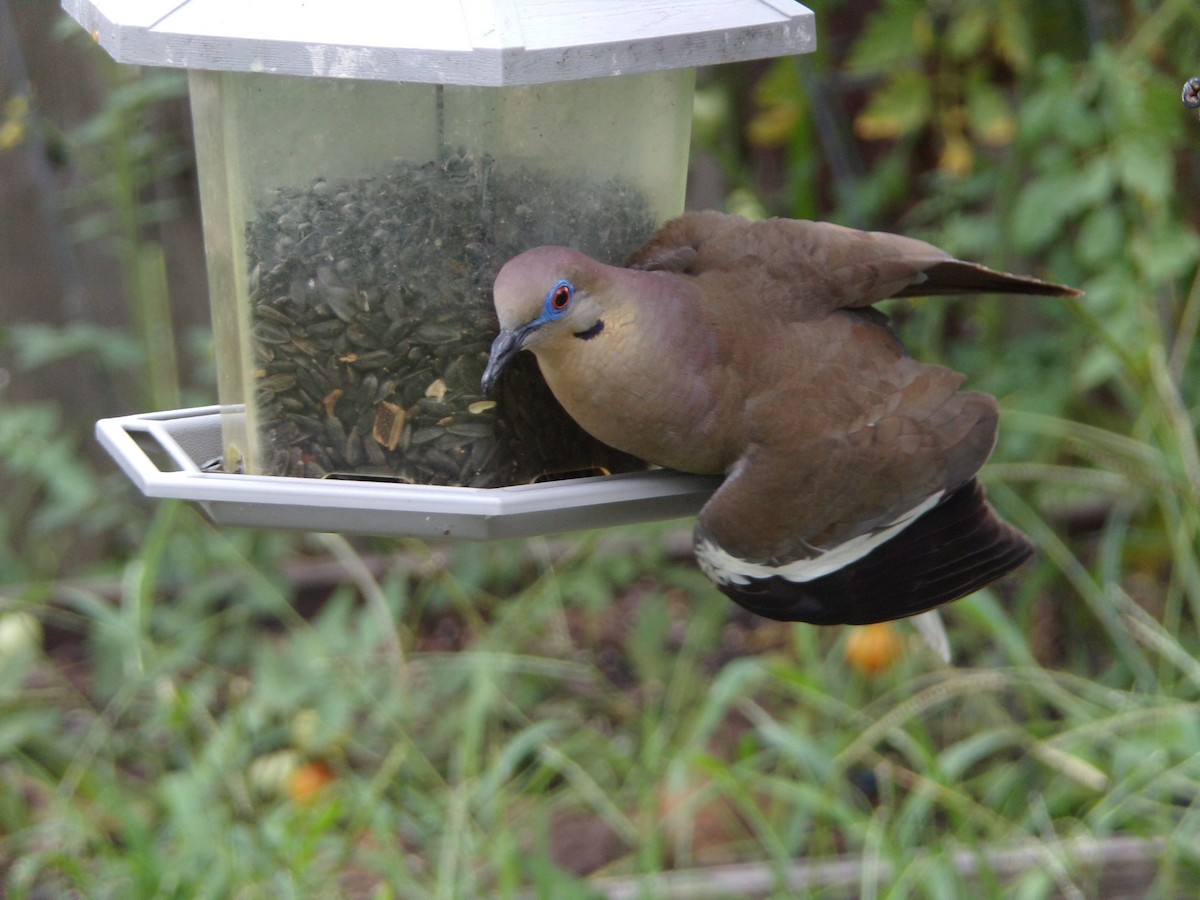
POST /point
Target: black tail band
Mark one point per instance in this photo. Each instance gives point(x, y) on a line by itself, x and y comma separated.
point(952, 550)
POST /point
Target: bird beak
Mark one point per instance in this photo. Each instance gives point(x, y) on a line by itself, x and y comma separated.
point(506, 345)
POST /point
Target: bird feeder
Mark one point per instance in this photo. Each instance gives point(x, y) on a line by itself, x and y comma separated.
point(365, 169)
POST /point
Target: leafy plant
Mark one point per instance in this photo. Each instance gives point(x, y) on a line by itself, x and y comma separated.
point(122, 159)
point(58, 503)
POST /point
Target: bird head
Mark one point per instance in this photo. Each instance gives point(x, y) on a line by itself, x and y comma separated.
point(544, 298)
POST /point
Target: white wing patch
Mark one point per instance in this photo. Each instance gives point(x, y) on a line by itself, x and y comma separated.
point(724, 568)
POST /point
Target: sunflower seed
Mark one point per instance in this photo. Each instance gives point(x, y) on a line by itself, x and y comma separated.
point(371, 320)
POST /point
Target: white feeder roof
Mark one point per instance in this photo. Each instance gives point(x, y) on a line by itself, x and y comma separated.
point(477, 42)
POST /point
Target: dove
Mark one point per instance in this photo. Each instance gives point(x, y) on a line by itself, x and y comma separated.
point(753, 350)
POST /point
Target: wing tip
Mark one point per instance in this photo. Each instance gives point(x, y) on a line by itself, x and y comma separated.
point(955, 276)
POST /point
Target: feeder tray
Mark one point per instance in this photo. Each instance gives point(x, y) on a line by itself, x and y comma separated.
point(165, 453)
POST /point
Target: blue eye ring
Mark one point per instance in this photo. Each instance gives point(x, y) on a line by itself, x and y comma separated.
point(559, 299)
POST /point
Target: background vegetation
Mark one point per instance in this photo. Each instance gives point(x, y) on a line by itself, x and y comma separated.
point(187, 711)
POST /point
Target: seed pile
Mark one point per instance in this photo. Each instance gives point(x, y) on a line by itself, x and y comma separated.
point(371, 320)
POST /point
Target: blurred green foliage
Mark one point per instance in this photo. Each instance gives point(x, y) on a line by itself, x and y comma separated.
point(503, 718)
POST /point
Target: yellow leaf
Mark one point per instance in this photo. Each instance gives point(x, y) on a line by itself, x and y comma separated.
point(773, 126)
point(900, 107)
point(16, 107)
point(11, 134)
point(744, 203)
point(1012, 36)
point(12, 129)
point(957, 157)
point(997, 132)
point(989, 115)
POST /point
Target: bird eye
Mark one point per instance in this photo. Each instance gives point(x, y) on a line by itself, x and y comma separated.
point(559, 298)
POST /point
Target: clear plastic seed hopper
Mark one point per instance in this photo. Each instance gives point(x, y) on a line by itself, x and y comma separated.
point(365, 169)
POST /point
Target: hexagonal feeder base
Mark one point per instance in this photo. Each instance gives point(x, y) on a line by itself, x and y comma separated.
point(163, 454)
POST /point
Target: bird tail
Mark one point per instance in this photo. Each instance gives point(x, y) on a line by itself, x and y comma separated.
point(955, 548)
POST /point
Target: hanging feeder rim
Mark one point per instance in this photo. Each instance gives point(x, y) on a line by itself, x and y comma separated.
point(182, 441)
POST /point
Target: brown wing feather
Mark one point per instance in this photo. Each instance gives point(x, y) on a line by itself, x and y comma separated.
point(814, 268)
point(675, 246)
point(836, 457)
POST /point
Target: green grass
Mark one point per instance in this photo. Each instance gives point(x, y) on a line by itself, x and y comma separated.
point(497, 715)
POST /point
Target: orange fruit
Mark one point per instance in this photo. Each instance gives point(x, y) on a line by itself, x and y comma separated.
point(308, 780)
point(872, 648)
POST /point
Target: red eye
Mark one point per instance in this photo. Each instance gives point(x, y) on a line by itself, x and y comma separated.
point(561, 297)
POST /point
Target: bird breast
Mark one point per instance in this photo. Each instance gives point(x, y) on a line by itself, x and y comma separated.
point(655, 383)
